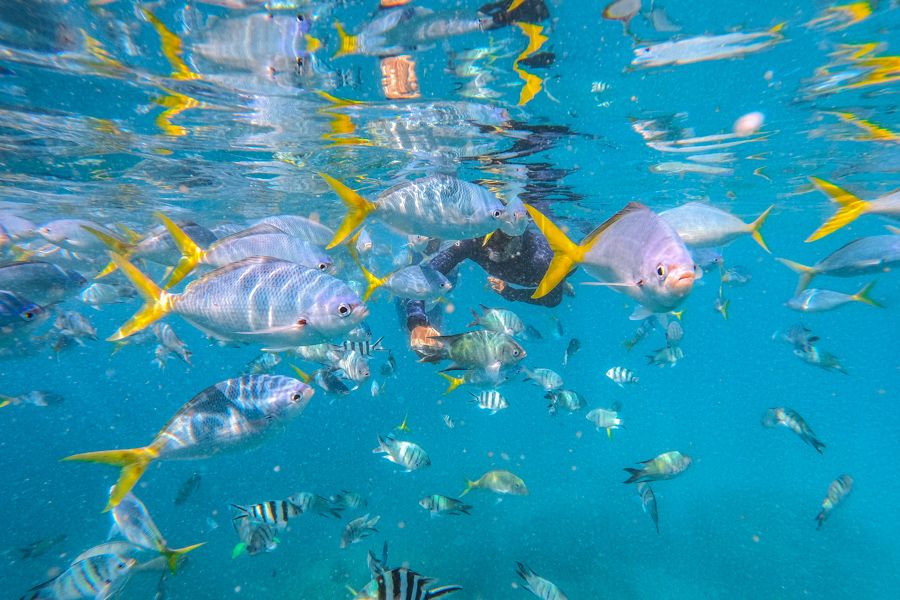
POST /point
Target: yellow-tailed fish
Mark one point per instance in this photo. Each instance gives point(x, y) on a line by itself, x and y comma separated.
point(273, 302)
point(868, 255)
point(664, 466)
point(703, 225)
point(500, 482)
point(135, 523)
point(226, 415)
point(850, 207)
point(816, 300)
point(635, 252)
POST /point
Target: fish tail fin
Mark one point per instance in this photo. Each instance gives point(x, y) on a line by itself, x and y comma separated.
point(634, 475)
point(133, 236)
point(348, 44)
point(305, 377)
point(609, 433)
point(724, 309)
point(756, 226)
point(819, 446)
point(470, 485)
point(566, 253)
point(455, 382)
point(373, 282)
point(404, 426)
point(156, 307)
point(806, 273)
point(191, 253)
point(475, 319)
point(113, 243)
point(173, 554)
point(134, 462)
point(357, 209)
point(5, 401)
point(777, 29)
point(238, 549)
point(864, 297)
point(850, 207)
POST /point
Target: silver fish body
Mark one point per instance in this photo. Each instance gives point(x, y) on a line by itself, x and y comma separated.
point(41, 282)
point(406, 454)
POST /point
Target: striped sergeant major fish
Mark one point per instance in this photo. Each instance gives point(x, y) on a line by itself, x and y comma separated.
point(364, 347)
point(490, 400)
point(537, 585)
point(406, 454)
point(620, 376)
point(359, 528)
point(98, 576)
point(254, 538)
point(402, 584)
point(273, 513)
point(838, 490)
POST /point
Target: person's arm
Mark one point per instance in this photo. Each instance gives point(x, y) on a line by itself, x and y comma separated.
point(444, 261)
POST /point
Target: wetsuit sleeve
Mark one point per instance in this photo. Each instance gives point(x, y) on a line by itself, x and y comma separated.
point(444, 261)
point(524, 295)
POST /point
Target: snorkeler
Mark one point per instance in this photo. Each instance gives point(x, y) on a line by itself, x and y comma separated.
point(521, 260)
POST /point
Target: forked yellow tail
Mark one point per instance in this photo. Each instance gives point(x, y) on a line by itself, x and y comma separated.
point(133, 462)
point(755, 227)
point(173, 554)
point(157, 303)
point(191, 253)
point(850, 207)
point(455, 382)
point(357, 209)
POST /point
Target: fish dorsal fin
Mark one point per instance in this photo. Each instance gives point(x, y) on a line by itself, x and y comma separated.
point(242, 264)
point(258, 229)
point(593, 236)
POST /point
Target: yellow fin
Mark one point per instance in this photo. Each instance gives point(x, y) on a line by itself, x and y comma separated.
point(357, 209)
point(133, 236)
point(864, 297)
point(312, 44)
point(403, 426)
point(301, 374)
point(191, 253)
point(115, 244)
point(172, 554)
point(514, 5)
point(609, 432)
point(157, 303)
point(455, 382)
point(487, 238)
point(238, 549)
point(349, 44)
point(470, 485)
point(133, 462)
point(6, 401)
point(755, 227)
point(850, 208)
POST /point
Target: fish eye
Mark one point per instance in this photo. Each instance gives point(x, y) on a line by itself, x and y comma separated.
point(344, 310)
point(296, 397)
point(28, 315)
point(497, 214)
point(300, 18)
point(661, 271)
point(515, 351)
point(322, 266)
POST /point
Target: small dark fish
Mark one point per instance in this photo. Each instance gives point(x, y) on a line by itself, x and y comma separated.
point(40, 547)
point(573, 347)
point(558, 330)
point(648, 501)
point(187, 488)
point(820, 358)
point(532, 334)
point(389, 367)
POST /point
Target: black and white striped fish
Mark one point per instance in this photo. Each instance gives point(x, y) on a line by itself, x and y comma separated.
point(276, 513)
point(359, 528)
point(406, 454)
point(96, 576)
point(403, 584)
point(537, 585)
point(491, 400)
point(621, 376)
point(364, 347)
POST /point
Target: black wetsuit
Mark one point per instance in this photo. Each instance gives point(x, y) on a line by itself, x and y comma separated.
point(519, 260)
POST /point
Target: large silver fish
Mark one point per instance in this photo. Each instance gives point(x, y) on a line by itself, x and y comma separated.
point(260, 300)
point(98, 576)
point(41, 282)
point(437, 206)
point(873, 254)
point(702, 225)
point(635, 252)
point(223, 416)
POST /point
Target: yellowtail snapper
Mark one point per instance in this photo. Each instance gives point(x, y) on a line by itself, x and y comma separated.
point(817, 300)
point(229, 414)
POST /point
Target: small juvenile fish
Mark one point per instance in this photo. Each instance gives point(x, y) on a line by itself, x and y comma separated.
point(133, 521)
point(187, 489)
point(364, 347)
point(532, 334)
point(664, 466)
point(375, 389)
point(605, 418)
point(98, 295)
point(448, 421)
point(169, 340)
point(438, 504)
point(255, 537)
point(348, 499)
point(497, 319)
point(648, 501)
point(355, 366)
point(490, 400)
point(644, 329)
point(38, 398)
point(537, 585)
point(720, 305)
point(389, 367)
point(793, 421)
point(40, 547)
point(670, 355)
point(736, 276)
point(571, 349)
point(358, 529)
point(547, 379)
point(500, 482)
point(313, 503)
point(273, 513)
point(620, 375)
point(568, 400)
point(74, 325)
point(839, 489)
point(819, 358)
point(817, 300)
point(674, 333)
point(408, 455)
point(264, 363)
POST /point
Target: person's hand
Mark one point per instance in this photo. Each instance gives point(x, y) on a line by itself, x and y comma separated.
point(498, 285)
point(421, 339)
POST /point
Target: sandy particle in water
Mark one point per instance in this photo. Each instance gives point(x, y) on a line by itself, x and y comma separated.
point(401, 525)
point(574, 467)
point(490, 454)
point(578, 435)
point(755, 538)
point(504, 456)
point(277, 468)
point(514, 585)
point(449, 309)
point(237, 589)
point(53, 572)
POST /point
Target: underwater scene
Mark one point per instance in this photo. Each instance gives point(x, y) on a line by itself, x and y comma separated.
point(470, 299)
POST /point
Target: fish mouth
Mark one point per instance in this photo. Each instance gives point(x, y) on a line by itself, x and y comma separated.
point(683, 284)
point(361, 311)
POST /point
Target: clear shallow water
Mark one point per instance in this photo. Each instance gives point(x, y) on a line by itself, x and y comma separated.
point(95, 125)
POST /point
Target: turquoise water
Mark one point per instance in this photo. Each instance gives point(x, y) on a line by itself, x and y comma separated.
point(105, 115)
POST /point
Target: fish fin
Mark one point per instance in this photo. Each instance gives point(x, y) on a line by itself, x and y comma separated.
point(640, 313)
point(238, 549)
point(850, 207)
point(349, 44)
point(806, 273)
point(475, 318)
point(819, 446)
point(403, 426)
point(470, 485)
point(133, 462)
point(157, 303)
point(777, 29)
point(487, 238)
point(864, 297)
point(191, 253)
point(373, 282)
point(635, 474)
point(609, 433)
point(113, 243)
point(172, 554)
point(892, 229)
point(455, 382)
point(5, 402)
point(133, 236)
point(357, 209)
point(566, 254)
point(312, 44)
point(724, 309)
point(303, 376)
point(755, 227)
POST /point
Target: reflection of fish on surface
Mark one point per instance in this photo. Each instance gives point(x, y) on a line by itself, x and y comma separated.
point(706, 47)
